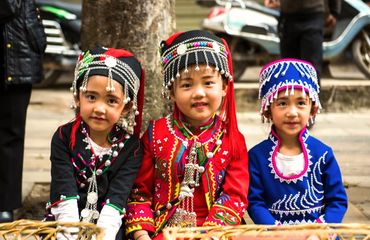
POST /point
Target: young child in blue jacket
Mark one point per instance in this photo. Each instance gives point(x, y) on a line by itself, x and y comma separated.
point(294, 177)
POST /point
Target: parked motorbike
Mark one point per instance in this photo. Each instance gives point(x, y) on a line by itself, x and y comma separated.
point(62, 23)
point(251, 31)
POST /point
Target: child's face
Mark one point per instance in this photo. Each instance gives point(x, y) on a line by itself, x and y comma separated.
point(198, 94)
point(101, 109)
point(290, 114)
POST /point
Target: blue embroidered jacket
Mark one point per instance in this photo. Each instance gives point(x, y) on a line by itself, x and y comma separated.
point(314, 195)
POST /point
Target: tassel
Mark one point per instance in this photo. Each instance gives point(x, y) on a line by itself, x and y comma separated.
point(237, 141)
point(286, 91)
point(140, 104)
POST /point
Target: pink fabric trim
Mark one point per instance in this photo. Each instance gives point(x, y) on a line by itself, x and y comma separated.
point(305, 156)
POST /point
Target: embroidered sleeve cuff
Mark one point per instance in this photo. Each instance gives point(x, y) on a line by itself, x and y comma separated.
point(321, 219)
point(132, 227)
point(62, 199)
point(222, 216)
point(121, 211)
point(139, 217)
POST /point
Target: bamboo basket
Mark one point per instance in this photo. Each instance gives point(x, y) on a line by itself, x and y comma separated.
point(269, 232)
point(30, 229)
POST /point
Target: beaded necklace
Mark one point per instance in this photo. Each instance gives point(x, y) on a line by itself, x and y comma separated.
point(97, 167)
point(185, 216)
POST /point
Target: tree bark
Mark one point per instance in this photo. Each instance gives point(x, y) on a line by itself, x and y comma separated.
point(138, 26)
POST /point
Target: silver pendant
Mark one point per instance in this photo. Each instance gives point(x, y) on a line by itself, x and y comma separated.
point(95, 214)
point(85, 213)
point(92, 197)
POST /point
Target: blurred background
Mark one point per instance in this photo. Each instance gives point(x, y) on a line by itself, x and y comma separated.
point(345, 91)
point(250, 30)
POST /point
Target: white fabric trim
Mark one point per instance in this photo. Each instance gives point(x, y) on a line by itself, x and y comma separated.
point(110, 220)
point(67, 211)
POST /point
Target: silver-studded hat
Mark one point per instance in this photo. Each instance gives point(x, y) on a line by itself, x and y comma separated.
point(119, 65)
point(193, 48)
point(116, 64)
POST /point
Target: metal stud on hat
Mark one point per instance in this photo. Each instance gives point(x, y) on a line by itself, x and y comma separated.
point(110, 62)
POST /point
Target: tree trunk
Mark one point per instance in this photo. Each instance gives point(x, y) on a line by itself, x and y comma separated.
point(138, 26)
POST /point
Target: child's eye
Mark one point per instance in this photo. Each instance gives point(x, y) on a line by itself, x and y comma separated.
point(210, 82)
point(303, 102)
point(185, 85)
point(281, 103)
point(90, 97)
point(112, 101)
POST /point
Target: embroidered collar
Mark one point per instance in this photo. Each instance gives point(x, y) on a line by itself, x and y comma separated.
point(303, 136)
point(213, 130)
point(98, 164)
point(181, 124)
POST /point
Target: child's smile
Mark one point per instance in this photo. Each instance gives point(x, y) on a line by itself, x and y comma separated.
point(98, 119)
point(198, 93)
point(290, 114)
point(199, 105)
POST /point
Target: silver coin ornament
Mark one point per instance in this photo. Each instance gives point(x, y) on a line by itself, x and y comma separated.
point(181, 49)
point(99, 172)
point(92, 197)
point(85, 213)
point(95, 214)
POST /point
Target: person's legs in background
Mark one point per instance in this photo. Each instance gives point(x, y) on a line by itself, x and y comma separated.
point(301, 36)
point(289, 38)
point(13, 103)
point(312, 40)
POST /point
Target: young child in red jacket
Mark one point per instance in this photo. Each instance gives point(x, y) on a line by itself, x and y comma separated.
point(194, 170)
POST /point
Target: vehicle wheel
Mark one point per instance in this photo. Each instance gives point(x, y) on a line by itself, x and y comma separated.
point(239, 50)
point(361, 53)
point(51, 76)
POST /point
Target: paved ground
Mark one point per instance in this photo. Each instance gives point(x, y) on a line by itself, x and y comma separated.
point(347, 132)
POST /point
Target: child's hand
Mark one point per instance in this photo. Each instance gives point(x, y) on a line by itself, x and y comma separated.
point(141, 235)
point(70, 233)
point(313, 237)
point(330, 21)
point(332, 236)
point(146, 237)
point(272, 3)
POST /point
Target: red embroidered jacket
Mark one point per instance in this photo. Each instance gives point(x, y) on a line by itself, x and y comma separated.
point(154, 197)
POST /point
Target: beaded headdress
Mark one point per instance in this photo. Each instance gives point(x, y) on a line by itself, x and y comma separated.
point(287, 75)
point(193, 47)
point(197, 47)
point(119, 65)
